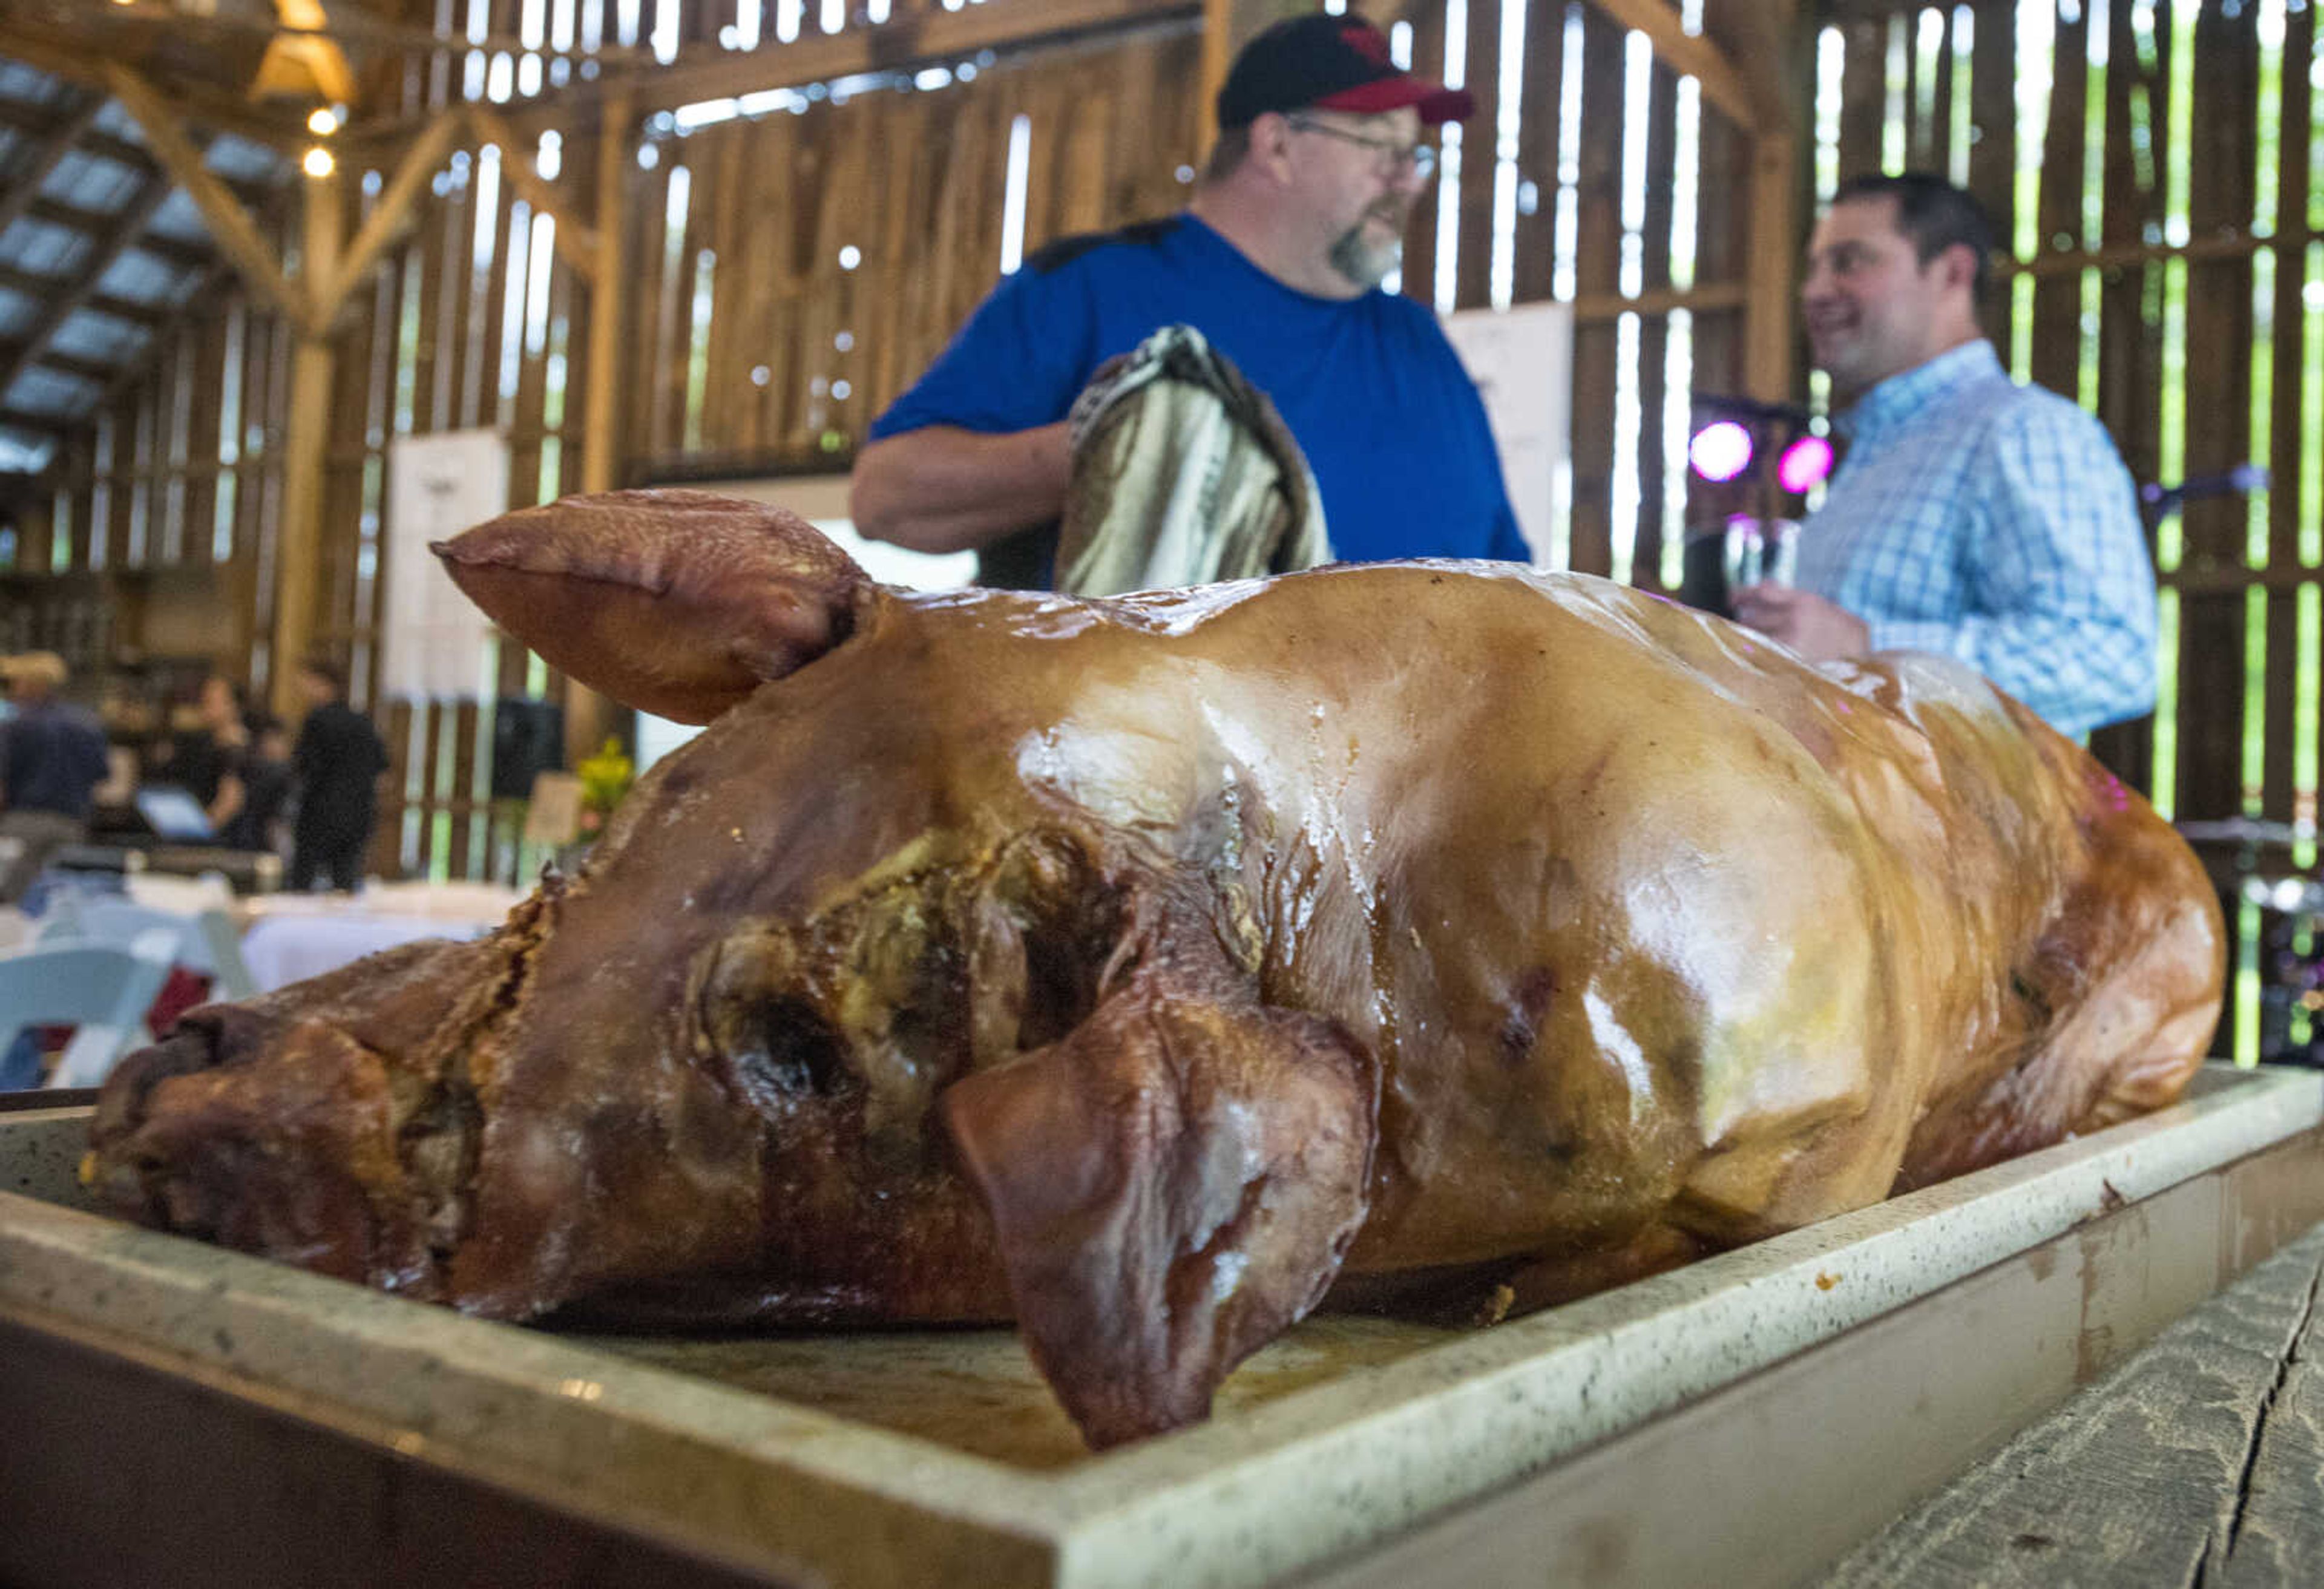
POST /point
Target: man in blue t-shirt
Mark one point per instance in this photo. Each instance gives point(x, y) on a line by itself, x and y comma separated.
point(1300, 215)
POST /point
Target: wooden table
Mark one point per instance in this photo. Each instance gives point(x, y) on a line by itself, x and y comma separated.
point(2200, 1460)
point(1748, 1420)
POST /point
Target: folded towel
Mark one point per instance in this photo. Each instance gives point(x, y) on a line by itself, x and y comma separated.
point(1184, 475)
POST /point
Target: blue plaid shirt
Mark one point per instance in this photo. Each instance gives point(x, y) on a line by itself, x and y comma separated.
point(1993, 523)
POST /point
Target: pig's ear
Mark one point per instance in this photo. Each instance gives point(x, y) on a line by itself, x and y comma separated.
point(1173, 1183)
point(676, 602)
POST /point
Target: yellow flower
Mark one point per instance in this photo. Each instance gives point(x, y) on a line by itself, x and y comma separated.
point(606, 778)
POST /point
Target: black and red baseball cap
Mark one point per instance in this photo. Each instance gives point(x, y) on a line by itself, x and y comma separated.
point(1320, 62)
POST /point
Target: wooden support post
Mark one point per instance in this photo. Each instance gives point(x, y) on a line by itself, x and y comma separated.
point(1763, 38)
point(587, 713)
point(1690, 55)
point(572, 240)
point(387, 216)
point(1771, 297)
point(600, 446)
point(297, 551)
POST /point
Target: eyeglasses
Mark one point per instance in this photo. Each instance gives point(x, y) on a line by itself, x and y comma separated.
point(1395, 159)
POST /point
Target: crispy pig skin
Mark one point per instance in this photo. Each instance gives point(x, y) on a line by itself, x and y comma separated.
point(1138, 968)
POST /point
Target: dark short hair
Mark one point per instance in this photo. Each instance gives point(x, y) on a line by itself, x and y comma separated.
point(1227, 155)
point(1936, 216)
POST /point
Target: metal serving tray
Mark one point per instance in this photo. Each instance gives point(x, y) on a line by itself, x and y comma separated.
point(1751, 1416)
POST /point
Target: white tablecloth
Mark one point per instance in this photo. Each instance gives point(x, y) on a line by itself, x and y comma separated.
point(294, 936)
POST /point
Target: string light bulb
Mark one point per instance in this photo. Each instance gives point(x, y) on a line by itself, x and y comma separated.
point(323, 121)
point(1720, 451)
point(1805, 464)
point(318, 161)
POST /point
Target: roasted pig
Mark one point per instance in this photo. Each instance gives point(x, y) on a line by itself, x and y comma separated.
point(1138, 970)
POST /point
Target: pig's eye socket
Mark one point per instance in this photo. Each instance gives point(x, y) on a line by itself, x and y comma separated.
point(785, 1051)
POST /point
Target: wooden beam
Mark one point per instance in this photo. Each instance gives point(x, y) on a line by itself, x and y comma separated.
point(17, 115)
point(350, 24)
point(576, 242)
point(1710, 298)
point(231, 227)
point(298, 547)
point(1690, 55)
point(90, 370)
point(63, 57)
point(127, 223)
point(32, 285)
point(54, 143)
point(1763, 40)
point(2230, 245)
point(46, 423)
point(927, 38)
point(99, 223)
point(1771, 311)
point(387, 218)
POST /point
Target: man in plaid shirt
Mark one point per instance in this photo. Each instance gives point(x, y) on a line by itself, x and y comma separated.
point(1972, 517)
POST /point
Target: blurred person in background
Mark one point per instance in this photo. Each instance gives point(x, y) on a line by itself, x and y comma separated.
point(336, 763)
point(205, 751)
point(51, 760)
point(267, 782)
point(1972, 517)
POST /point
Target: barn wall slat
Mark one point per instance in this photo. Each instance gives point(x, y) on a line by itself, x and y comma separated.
point(1597, 270)
point(1654, 330)
point(2221, 175)
point(2288, 441)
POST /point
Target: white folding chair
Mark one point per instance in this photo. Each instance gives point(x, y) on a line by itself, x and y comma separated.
point(204, 941)
point(101, 990)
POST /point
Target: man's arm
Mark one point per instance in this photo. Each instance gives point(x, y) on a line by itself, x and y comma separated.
point(2065, 609)
point(943, 489)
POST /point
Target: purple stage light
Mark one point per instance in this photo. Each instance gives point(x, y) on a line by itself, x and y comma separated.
point(1805, 463)
point(1720, 451)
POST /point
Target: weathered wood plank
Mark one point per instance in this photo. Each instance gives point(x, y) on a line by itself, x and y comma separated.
point(1992, 143)
point(2276, 1536)
point(1864, 95)
point(649, 248)
point(1481, 74)
point(1535, 267)
point(1653, 330)
point(2200, 1460)
point(1420, 232)
point(461, 857)
point(429, 785)
point(1597, 268)
point(387, 840)
point(2058, 300)
point(2287, 440)
point(2222, 175)
point(727, 381)
point(1942, 103)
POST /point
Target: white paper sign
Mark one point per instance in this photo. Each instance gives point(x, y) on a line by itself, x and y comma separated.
point(437, 486)
point(1522, 360)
